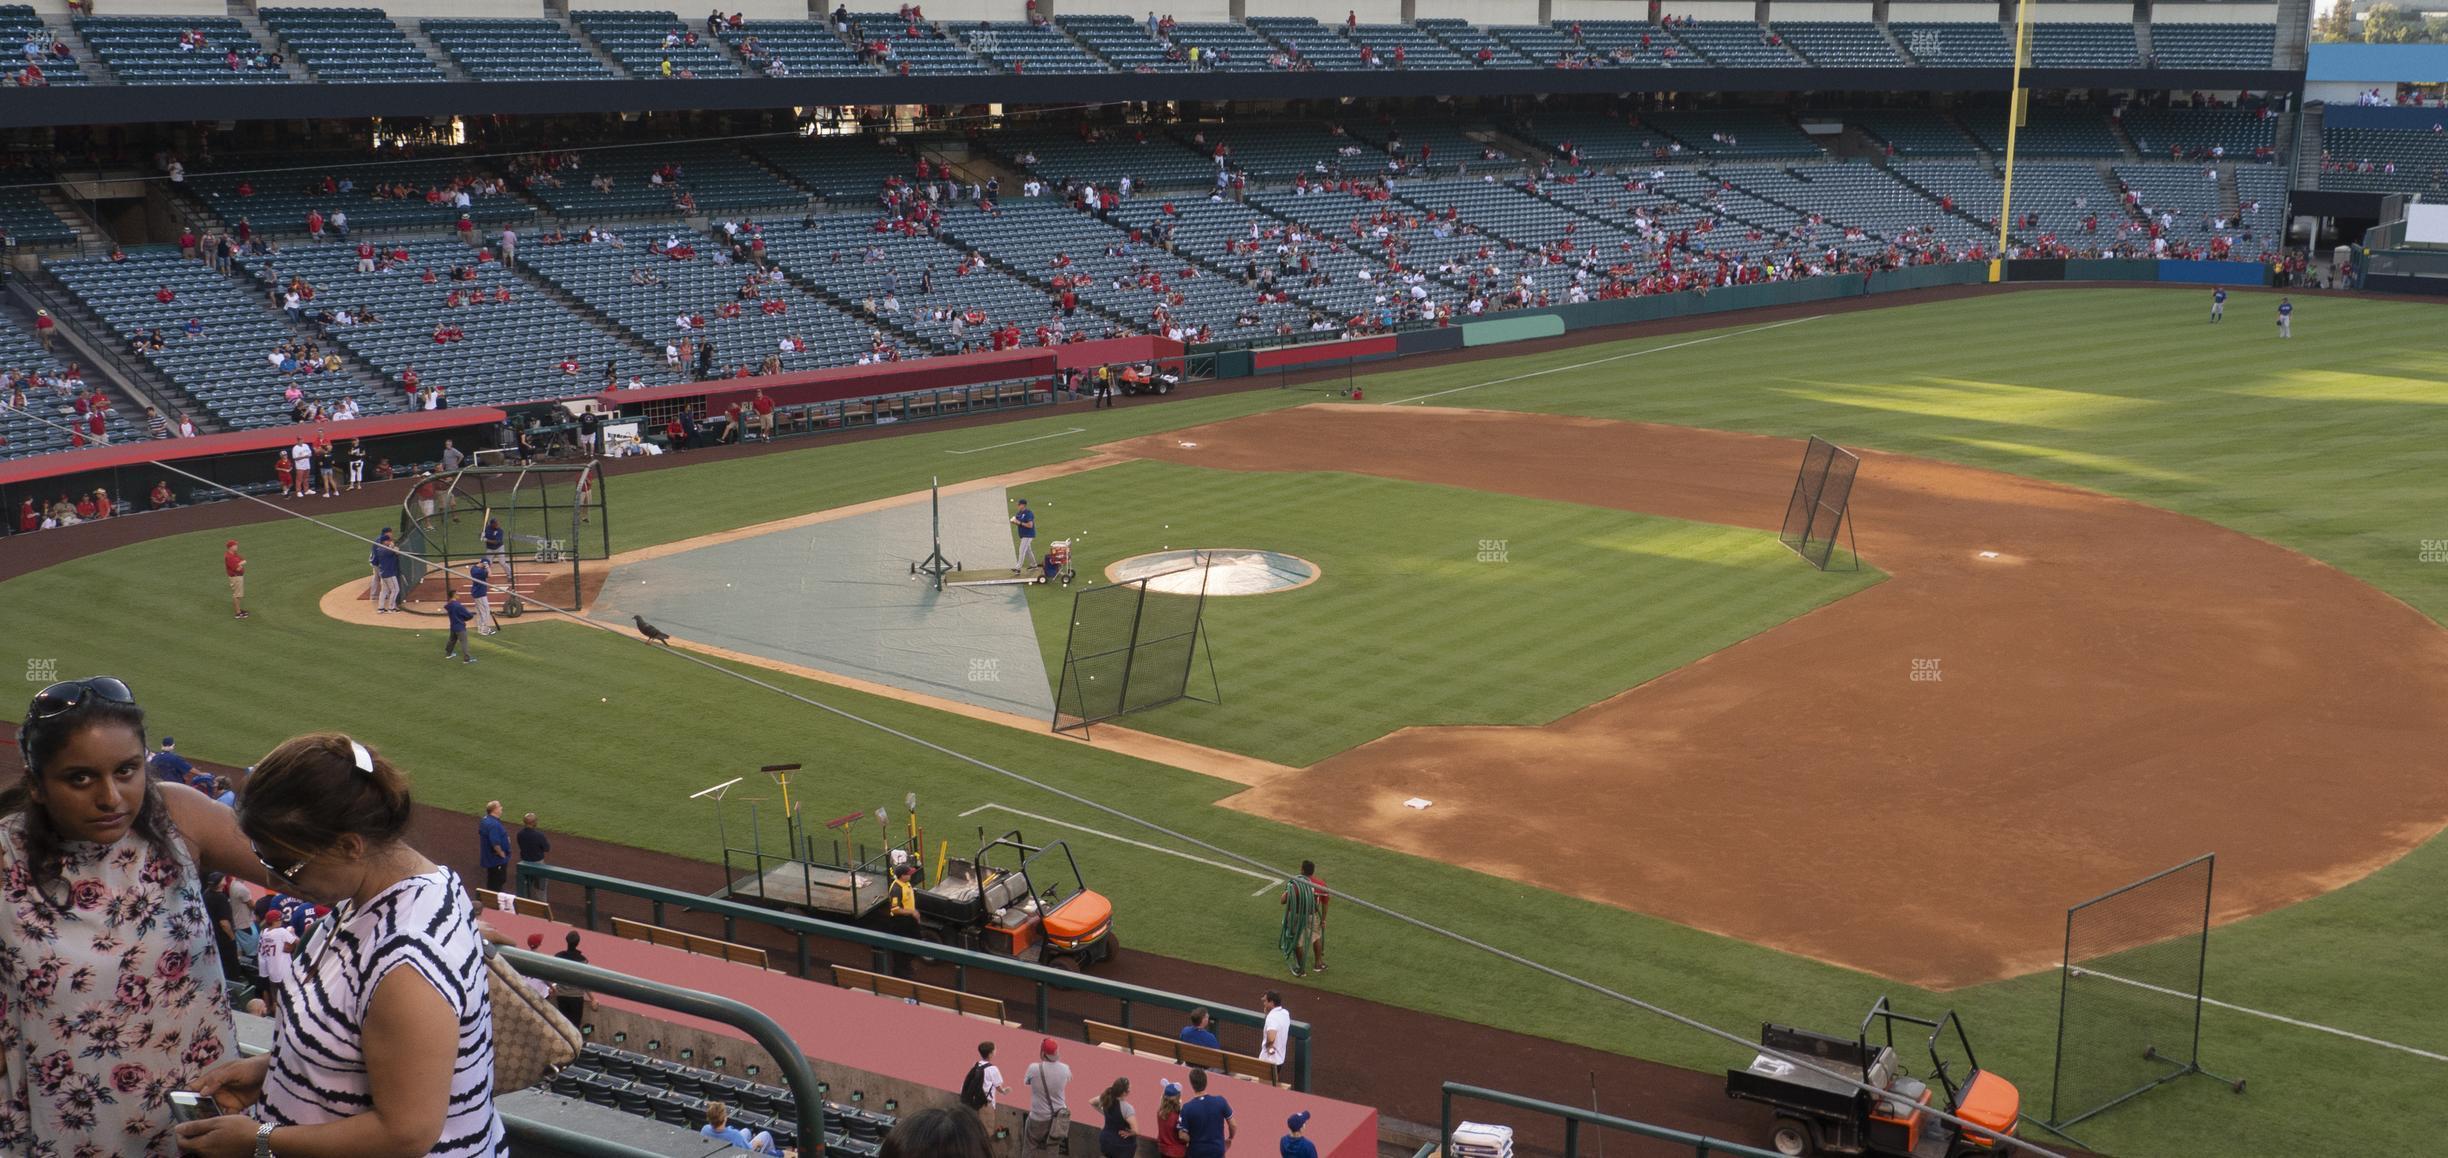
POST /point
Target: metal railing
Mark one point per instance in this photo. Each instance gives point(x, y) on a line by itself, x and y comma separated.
point(1575, 1118)
point(807, 1098)
point(1045, 978)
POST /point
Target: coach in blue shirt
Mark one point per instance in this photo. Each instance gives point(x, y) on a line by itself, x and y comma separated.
point(1197, 1033)
point(493, 847)
point(385, 559)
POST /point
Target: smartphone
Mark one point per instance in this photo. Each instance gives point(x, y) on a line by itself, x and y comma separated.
point(189, 1106)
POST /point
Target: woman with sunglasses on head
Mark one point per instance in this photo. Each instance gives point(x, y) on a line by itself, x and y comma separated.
point(382, 1043)
point(109, 980)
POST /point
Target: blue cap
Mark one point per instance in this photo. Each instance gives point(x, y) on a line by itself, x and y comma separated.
point(1297, 1121)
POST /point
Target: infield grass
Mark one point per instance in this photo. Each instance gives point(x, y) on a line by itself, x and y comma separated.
point(1434, 605)
point(2329, 444)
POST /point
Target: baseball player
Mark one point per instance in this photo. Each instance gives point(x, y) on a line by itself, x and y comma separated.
point(1026, 520)
point(2286, 311)
point(480, 588)
point(2218, 303)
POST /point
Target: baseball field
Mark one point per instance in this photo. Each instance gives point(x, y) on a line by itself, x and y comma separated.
point(2133, 588)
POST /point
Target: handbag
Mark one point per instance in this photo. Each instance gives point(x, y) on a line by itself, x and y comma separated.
point(531, 1040)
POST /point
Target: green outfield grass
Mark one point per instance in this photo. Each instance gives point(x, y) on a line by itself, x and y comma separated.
point(1434, 605)
point(2328, 444)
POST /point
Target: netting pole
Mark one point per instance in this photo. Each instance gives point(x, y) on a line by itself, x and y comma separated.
point(2065, 994)
point(2201, 968)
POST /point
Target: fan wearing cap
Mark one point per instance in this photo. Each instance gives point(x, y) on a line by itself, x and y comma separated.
point(235, 564)
point(89, 833)
point(1049, 1115)
point(1294, 1145)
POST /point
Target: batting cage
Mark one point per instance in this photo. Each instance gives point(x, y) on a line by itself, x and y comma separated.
point(2130, 1001)
point(1132, 648)
point(1822, 494)
point(554, 520)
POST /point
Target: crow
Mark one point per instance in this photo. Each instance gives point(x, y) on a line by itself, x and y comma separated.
point(652, 632)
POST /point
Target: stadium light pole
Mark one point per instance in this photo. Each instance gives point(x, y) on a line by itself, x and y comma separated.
point(2017, 106)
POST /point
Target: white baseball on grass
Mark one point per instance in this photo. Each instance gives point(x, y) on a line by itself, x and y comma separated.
point(606, 699)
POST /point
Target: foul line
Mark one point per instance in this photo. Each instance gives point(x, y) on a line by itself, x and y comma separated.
point(2280, 1018)
point(1270, 885)
point(1018, 441)
point(1607, 359)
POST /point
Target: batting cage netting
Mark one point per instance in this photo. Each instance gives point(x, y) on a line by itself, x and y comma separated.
point(2129, 1009)
point(1822, 494)
point(1131, 648)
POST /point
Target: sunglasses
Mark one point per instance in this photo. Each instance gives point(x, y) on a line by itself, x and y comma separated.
point(287, 870)
point(64, 697)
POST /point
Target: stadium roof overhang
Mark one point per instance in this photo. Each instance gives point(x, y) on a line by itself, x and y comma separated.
point(142, 104)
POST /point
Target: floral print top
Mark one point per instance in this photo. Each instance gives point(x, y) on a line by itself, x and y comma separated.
point(108, 1002)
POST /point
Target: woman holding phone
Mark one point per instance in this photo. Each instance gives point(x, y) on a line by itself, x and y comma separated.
point(382, 1042)
point(113, 989)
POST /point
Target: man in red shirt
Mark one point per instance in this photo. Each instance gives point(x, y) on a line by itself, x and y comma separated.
point(764, 415)
point(235, 564)
point(43, 325)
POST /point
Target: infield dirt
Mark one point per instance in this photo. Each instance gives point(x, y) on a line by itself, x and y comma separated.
point(1916, 780)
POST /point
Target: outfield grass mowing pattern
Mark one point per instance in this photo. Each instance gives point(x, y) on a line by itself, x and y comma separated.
point(2124, 391)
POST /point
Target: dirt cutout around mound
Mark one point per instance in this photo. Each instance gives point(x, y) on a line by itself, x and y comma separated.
point(2119, 689)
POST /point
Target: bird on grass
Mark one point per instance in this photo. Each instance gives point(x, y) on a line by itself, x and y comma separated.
point(652, 632)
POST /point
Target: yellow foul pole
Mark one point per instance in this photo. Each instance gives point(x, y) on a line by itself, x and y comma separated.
point(2018, 107)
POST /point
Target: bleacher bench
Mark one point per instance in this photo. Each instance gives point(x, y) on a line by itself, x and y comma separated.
point(689, 942)
point(965, 1004)
point(1167, 1048)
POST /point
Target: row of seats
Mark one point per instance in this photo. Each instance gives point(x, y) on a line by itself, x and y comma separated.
point(40, 431)
point(226, 367)
point(510, 351)
point(145, 50)
point(24, 218)
point(280, 201)
point(913, 48)
point(350, 45)
point(1022, 47)
point(677, 1093)
point(2418, 159)
point(20, 26)
point(716, 177)
point(654, 44)
point(363, 45)
point(645, 295)
point(504, 48)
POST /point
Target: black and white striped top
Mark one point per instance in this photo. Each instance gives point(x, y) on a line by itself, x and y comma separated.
point(425, 923)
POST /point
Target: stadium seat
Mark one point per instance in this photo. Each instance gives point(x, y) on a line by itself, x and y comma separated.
point(19, 26)
point(1955, 45)
point(2213, 45)
point(643, 42)
point(145, 50)
point(515, 49)
point(350, 45)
